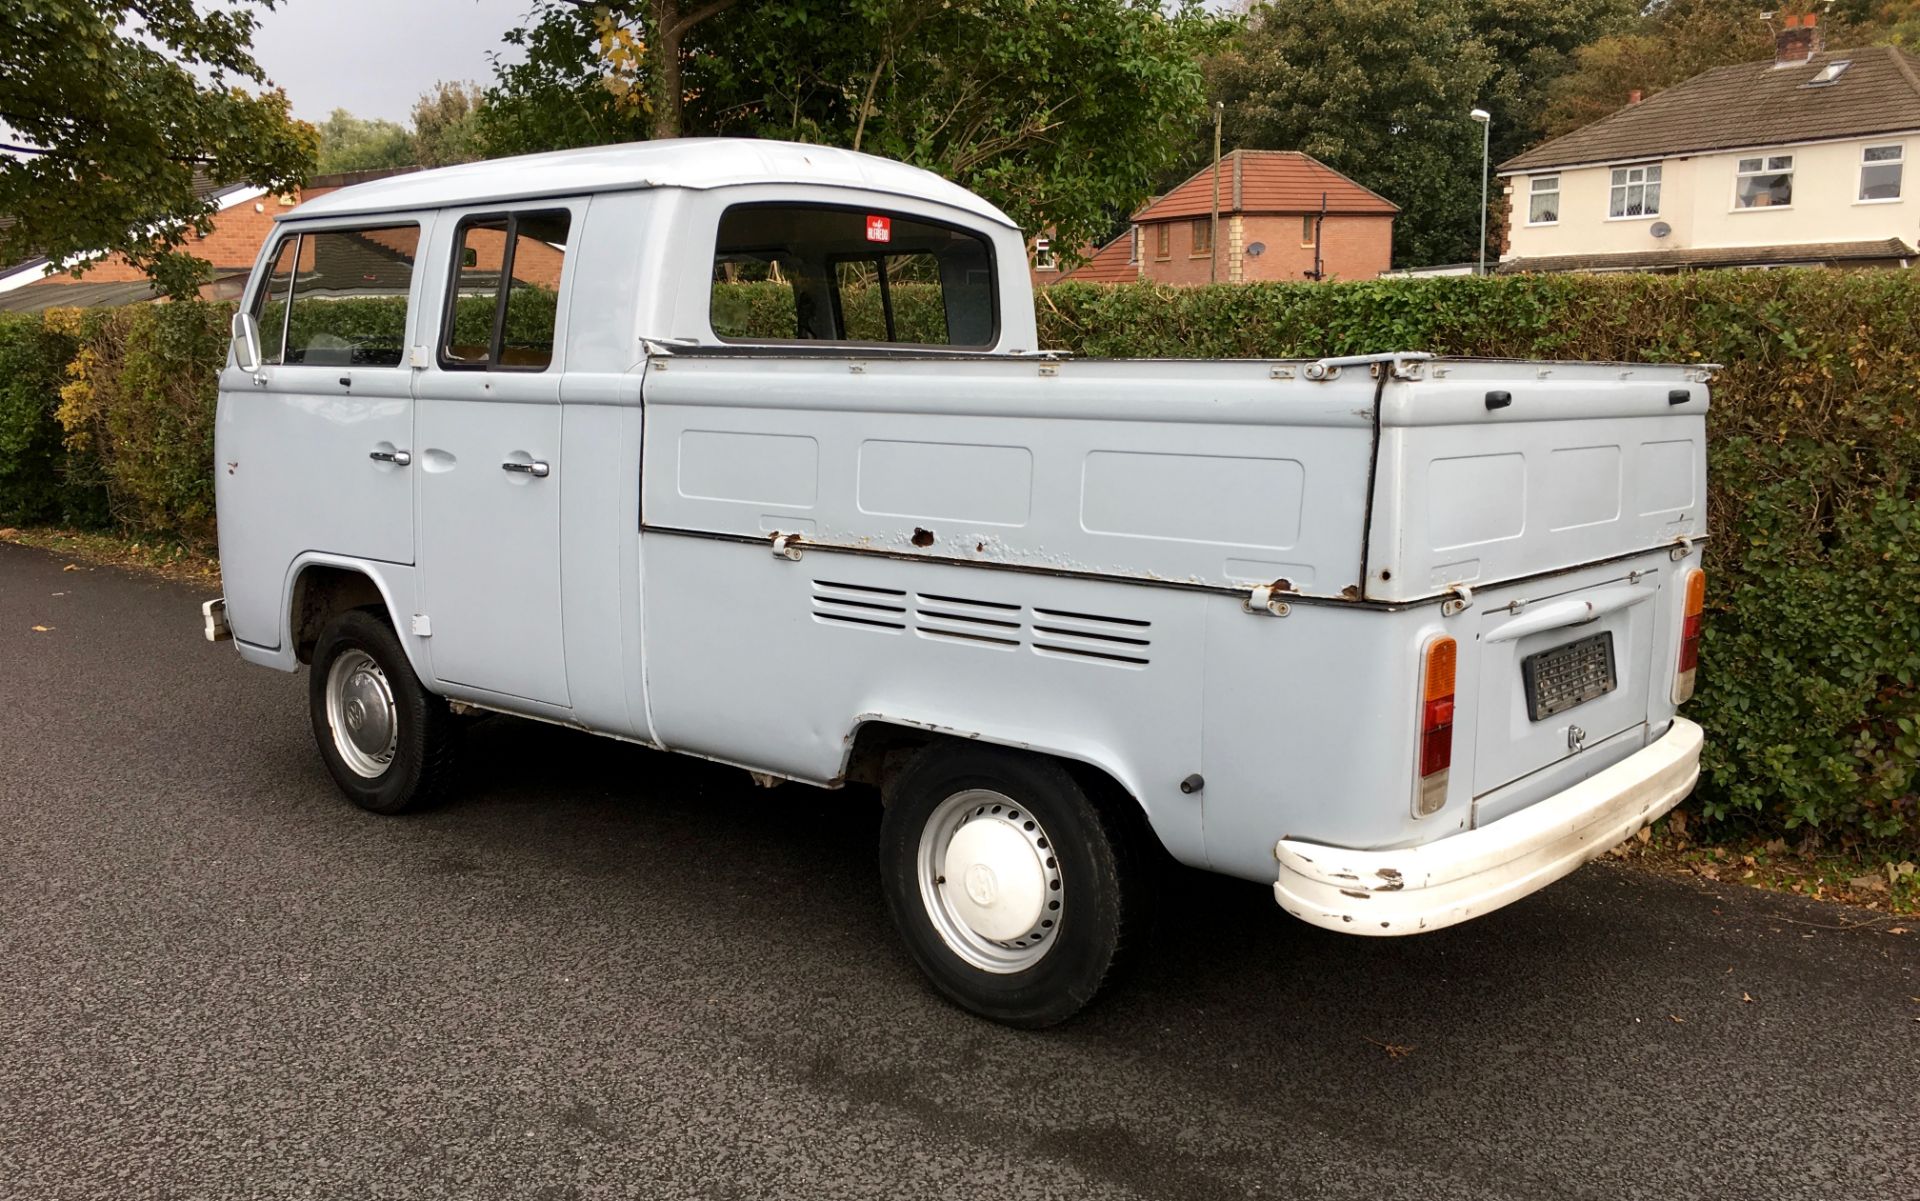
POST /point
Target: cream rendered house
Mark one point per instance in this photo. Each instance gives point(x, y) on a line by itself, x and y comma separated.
point(1804, 160)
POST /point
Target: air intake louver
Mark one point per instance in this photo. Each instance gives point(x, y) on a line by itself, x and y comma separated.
point(1112, 639)
point(996, 625)
point(859, 605)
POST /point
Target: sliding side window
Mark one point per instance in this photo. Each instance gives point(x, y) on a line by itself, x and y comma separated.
point(504, 306)
point(338, 297)
point(823, 273)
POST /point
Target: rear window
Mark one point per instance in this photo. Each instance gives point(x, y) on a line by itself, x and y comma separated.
point(823, 273)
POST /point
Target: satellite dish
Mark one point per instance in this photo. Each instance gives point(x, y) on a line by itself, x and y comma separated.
point(1256, 249)
point(1660, 229)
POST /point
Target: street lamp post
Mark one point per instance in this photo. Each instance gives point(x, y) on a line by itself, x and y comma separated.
point(1486, 144)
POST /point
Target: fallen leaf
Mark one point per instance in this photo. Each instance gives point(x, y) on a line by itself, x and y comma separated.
point(1674, 1017)
point(71, 567)
point(1897, 930)
point(8, 532)
point(1746, 999)
point(43, 629)
point(1645, 834)
point(1393, 1050)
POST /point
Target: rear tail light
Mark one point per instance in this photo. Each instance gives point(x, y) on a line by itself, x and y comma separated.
point(1436, 724)
point(1690, 636)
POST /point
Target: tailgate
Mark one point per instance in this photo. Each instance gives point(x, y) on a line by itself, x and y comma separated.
point(1560, 672)
point(1489, 472)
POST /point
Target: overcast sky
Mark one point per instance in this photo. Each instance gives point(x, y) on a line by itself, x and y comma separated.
point(375, 57)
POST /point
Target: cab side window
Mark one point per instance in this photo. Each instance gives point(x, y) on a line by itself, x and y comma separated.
point(338, 297)
point(504, 299)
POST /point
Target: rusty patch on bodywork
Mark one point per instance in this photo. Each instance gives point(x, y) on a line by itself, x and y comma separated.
point(1355, 892)
point(922, 537)
point(1390, 879)
point(1350, 592)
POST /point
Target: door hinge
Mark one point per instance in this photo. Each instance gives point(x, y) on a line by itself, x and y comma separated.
point(421, 626)
point(1266, 599)
point(786, 546)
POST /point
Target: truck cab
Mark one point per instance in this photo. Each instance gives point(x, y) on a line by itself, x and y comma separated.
point(747, 450)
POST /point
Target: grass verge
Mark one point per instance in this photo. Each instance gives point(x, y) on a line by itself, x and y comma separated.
point(174, 560)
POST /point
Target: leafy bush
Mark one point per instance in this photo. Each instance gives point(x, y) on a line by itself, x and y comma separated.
point(1810, 688)
point(41, 480)
point(140, 398)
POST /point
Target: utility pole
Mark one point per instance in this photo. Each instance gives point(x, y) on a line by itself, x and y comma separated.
point(1213, 237)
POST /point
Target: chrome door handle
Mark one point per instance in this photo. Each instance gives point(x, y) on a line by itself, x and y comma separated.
point(535, 468)
point(399, 458)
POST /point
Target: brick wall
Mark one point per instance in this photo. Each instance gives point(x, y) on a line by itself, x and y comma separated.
point(1353, 247)
point(1181, 265)
point(234, 242)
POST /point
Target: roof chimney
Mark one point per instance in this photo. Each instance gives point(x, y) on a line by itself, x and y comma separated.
point(1633, 97)
point(1797, 41)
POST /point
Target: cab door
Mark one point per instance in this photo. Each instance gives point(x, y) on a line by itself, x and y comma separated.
point(487, 425)
point(313, 446)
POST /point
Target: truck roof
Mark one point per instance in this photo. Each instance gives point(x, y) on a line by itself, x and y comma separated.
point(678, 163)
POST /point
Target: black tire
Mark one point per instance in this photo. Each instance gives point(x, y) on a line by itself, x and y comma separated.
point(425, 748)
point(1104, 904)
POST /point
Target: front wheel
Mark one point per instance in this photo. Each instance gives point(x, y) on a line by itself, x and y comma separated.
point(1014, 892)
point(388, 742)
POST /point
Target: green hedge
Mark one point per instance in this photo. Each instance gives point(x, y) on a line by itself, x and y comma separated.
point(1812, 649)
point(41, 478)
point(1809, 688)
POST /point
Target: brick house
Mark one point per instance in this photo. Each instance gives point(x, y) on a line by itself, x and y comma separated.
point(1283, 216)
point(242, 225)
point(1798, 160)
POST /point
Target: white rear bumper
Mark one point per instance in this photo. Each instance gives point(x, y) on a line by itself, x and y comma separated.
point(1442, 883)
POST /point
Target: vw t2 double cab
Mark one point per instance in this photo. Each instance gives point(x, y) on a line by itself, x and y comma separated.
point(748, 450)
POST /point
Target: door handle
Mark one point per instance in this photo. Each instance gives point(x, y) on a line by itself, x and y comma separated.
point(399, 458)
point(536, 468)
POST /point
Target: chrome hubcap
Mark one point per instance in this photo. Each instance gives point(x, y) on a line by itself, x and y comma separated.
point(990, 881)
point(361, 713)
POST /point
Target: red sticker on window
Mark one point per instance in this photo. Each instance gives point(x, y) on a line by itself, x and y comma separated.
point(879, 229)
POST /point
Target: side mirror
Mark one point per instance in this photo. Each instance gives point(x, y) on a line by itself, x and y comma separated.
point(246, 342)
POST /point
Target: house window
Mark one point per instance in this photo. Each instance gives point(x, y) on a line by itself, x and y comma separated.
point(1543, 200)
point(1202, 236)
point(1765, 182)
point(1306, 231)
point(1163, 240)
point(1880, 171)
point(1133, 245)
point(1635, 192)
point(1043, 256)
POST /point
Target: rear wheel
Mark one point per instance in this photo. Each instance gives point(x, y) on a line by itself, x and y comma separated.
point(1014, 892)
point(388, 743)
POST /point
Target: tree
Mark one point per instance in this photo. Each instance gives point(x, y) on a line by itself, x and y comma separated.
point(1378, 90)
point(1062, 112)
point(114, 109)
point(1672, 43)
point(446, 125)
point(350, 143)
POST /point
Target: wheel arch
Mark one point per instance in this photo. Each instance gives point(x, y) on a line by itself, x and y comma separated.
point(879, 746)
point(321, 586)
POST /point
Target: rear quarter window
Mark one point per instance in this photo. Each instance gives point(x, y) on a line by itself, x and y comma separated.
point(786, 273)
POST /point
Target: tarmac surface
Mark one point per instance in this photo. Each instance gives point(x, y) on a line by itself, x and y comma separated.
point(608, 972)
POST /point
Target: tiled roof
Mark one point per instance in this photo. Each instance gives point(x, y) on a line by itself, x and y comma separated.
point(204, 188)
point(1267, 181)
point(1807, 254)
point(1753, 104)
point(1109, 265)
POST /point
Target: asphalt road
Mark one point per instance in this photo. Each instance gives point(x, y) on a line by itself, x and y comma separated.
point(606, 972)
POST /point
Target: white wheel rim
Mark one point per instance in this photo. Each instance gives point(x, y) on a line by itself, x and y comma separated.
point(990, 881)
point(361, 713)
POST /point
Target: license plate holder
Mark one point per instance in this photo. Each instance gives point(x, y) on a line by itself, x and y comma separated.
point(1573, 673)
